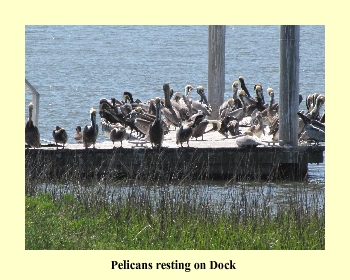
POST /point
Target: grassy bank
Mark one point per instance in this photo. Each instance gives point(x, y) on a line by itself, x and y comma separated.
point(164, 218)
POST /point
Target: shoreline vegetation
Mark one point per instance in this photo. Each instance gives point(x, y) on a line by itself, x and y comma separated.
point(107, 214)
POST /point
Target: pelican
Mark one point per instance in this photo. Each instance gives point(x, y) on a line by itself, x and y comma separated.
point(170, 113)
point(272, 110)
point(316, 134)
point(90, 132)
point(60, 136)
point(215, 126)
point(107, 110)
point(156, 129)
point(238, 103)
point(226, 107)
point(143, 121)
point(152, 107)
point(201, 93)
point(130, 118)
point(258, 129)
point(184, 134)
point(178, 102)
point(259, 92)
point(128, 96)
point(32, 136)
point(240, 113)
point(274, 128)
point(314, 113)
point(233, 127)
point(78, 135)
point(199, 126)
point(248, 140)
point(117, 134)
point(311, 101)
point(188, 90)
point(198, 106)
point(243, 86)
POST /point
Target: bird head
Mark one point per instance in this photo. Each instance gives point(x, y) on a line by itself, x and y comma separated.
point(235, 85)
point(200, 90)
point(241, 93)
point(166, 87)
point(257, 88)
point(270, 91)
point(231, 102)
point(92, 111)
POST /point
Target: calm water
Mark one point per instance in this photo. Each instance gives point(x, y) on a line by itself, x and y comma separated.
point(72, 67)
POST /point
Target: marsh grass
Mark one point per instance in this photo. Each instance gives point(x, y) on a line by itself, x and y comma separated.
point(105, 213)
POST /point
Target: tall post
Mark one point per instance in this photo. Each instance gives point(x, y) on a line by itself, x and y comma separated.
point(216, 68)
point(35, 100)
point(289, 85)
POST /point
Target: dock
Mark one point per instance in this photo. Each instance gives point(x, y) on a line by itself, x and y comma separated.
point(213, 158)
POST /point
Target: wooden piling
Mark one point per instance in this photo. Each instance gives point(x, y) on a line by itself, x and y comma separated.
point(35, 100)
point(289, 85)
point(216, 67)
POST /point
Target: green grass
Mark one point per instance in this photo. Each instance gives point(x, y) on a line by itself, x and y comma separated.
point(88, 220)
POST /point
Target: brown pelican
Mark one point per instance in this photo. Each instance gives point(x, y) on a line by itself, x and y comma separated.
point(170, 113)
point(128, 96)
point(60, 136)
point(243, 86)
point(258, 129)
point(78, 135)
point(272, 110)
point(201, 93)
point(198, 106)
point(240, 113)
point(199, 125)
point(311, 101)
point(259, 92)
point(314, 113)
point(152, 107)
point(156, 128)
point(316, 134)
point(130, 118)
point(233, 127)
point(117, 134)
point(178, 102)
point(90, 132)
point(32, 136)
point(238, 103)
point(274, 128)
point(248, 140)
point(199, 129)
point(226, 107)
point(184, 134)
point(107, 110)
point(143, 121)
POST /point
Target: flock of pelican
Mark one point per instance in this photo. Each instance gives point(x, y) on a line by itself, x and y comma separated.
point(153, 119)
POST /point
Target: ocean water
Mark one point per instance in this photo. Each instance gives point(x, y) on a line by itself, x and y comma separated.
point(73, 67)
